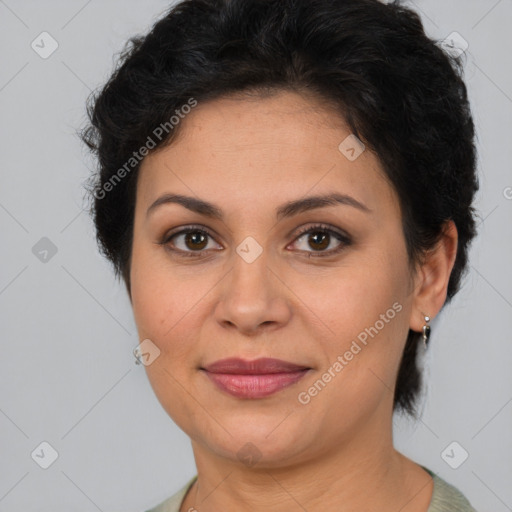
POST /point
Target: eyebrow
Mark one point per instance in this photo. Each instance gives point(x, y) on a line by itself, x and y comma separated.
point(285, 210)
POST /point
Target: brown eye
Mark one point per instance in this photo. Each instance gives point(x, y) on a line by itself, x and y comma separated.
point(196, 240)
point(190, 242)
point(317, 239)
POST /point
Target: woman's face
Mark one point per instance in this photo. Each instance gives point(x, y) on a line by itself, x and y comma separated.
point(326, 287)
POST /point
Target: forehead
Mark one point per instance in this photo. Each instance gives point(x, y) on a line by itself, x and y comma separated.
point(242, 147)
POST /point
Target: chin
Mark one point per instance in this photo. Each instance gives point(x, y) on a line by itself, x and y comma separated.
point(266, 443)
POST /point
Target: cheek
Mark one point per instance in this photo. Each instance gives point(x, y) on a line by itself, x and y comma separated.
point(367, 319)
point(365, 308)
point(166, 304)
point(163, 311)
point(358, 298)
point(155, 297)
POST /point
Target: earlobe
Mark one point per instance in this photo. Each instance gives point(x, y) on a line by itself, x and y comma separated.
point(433, 277)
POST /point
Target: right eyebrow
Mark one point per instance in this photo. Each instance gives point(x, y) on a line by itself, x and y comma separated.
point(191, 203)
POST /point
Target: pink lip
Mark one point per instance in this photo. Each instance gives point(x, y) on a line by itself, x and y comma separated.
point(254, 379)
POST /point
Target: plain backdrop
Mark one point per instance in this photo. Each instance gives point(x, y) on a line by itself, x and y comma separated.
point(67, 372)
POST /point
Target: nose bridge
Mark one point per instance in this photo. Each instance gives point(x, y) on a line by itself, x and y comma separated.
point(251, 295)
point(250, 280)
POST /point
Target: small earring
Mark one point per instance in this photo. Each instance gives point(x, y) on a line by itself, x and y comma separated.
point(426, 331)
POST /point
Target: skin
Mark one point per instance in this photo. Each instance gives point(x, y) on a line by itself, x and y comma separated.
point(248, 156)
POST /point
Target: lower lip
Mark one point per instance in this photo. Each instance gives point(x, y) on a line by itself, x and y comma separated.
point(254, 386)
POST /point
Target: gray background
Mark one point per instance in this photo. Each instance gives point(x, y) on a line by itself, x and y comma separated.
point(67, 372)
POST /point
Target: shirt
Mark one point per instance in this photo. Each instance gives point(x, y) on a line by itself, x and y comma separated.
point(445, 498)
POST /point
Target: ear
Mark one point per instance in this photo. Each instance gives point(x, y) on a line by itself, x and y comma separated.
point(431, 281)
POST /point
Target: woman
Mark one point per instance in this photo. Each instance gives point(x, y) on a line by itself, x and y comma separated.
point(286, 188)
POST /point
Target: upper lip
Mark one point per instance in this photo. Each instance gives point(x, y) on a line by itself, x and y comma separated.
point(260, 366)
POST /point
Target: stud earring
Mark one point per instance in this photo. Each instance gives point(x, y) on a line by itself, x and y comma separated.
point(426, 331)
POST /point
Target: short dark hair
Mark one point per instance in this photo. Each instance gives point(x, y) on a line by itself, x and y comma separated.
point(397, 89)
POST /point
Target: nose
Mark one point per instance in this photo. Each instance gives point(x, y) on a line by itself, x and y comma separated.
point(253, 298)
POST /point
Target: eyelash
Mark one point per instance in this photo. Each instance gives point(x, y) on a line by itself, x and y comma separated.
point(317, 228)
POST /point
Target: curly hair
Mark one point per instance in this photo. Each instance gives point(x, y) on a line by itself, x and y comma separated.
point(397, 89)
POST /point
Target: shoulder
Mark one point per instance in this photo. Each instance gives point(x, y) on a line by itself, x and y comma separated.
point(173, 503)
point(446, 497)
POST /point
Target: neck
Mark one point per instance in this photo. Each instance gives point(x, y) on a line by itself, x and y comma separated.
point(363, 473)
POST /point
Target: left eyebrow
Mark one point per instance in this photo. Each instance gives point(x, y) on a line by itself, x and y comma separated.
point(313, 202)
point(286, 210)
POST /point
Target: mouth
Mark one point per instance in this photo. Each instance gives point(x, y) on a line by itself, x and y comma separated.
point(254, 379)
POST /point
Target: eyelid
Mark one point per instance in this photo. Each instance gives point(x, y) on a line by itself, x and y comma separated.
point(322, 227)
point(188, 227)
